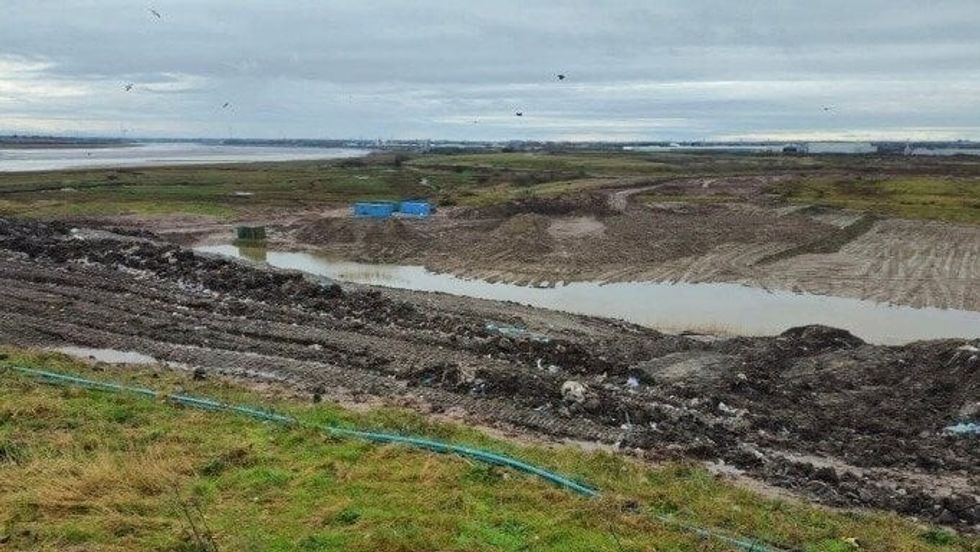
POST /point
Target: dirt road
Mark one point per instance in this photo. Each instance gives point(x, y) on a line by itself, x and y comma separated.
point(814, 410)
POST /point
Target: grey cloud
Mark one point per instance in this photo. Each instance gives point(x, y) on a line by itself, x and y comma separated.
point(637, 69)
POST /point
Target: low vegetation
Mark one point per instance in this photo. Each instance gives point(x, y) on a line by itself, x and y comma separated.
point(939, 198)
point(91, 470)
point(886, 185)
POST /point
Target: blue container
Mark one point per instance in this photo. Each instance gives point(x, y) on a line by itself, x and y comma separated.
point(415, 208)
point(374, 209)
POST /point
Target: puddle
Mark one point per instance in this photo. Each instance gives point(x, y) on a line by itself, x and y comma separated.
point(110, 356)
point(726, 308)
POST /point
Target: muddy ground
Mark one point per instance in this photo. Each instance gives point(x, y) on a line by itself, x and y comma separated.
point(732, 231)
point(814, 410)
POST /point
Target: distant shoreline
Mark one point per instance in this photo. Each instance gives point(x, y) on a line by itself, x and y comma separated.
point(42, 144)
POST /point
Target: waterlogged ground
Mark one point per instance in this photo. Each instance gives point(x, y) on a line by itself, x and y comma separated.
point(714, 308)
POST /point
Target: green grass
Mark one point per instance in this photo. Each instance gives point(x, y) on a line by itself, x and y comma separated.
point(931, 188)
point(90, 470)
point(206, 190)
point(586, 164)
point(939, 198)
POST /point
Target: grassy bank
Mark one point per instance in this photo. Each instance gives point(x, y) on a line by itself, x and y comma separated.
point(90, 470)
point(937, 198)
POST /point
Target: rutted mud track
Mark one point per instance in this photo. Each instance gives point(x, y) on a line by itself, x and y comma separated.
point(814, 410)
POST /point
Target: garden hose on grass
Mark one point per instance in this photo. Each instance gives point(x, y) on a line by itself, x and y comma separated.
point(487, 457)
point(266, 416)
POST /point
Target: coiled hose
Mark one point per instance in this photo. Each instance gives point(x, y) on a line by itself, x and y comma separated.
point(380, 437)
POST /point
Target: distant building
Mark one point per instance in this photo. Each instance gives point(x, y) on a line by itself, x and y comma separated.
point(840, 147)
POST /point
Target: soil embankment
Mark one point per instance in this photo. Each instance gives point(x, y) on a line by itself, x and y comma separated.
point(731, 233)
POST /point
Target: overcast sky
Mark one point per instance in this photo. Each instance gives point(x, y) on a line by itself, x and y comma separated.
point(460, 69)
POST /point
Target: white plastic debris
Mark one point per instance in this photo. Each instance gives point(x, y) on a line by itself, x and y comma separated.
point(722, 407)
point(573, 391)
point(632, 382)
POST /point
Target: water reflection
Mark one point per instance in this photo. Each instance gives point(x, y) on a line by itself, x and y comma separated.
point(254, 252)
point(723, 308)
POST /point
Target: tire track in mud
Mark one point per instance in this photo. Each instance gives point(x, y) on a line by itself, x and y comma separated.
point(228, 347)
point(917, 263)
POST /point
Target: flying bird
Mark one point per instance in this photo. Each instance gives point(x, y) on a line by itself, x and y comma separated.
point(226, 105)
point(519, 114)
point(128, 87)
point(827, 108)
point(156, 13)
point(561, 77)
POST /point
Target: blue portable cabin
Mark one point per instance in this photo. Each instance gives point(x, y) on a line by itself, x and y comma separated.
point(415, 208)
point(374, 209)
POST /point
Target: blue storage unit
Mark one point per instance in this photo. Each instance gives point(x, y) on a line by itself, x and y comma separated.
point(415, 208)
point(374, 209)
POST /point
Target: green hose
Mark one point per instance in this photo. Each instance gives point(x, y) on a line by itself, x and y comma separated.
point(380, 437)
point(377, 437)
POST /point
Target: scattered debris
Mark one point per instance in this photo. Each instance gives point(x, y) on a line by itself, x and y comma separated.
point(964, 428)
point(573, 391)
point(515, 332)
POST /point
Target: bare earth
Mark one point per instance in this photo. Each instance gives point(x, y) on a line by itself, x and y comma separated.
point(620, 236)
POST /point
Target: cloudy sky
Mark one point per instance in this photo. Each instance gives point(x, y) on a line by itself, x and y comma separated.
point(460, 69)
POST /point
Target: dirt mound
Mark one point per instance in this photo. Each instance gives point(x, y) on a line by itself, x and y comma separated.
point(387, 240)
point(581, 205)
point(521, 238)
point(817, 338)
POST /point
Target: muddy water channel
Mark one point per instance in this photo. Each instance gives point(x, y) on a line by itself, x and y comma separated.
point(709, 308)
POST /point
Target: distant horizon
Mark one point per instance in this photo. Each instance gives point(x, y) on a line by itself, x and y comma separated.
point(136, 139)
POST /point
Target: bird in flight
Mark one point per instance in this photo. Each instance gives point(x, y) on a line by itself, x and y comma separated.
point(561, 76)
point(827, 108)
point(226, 105)
point(156, 13)
point(519, 114)
point(128, 87)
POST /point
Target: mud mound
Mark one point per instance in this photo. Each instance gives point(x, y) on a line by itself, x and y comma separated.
point(367, 239)
point(522, 238)
point(816, 338)
point(582, 205)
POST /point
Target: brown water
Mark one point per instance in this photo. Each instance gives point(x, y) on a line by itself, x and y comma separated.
point(713, 308)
